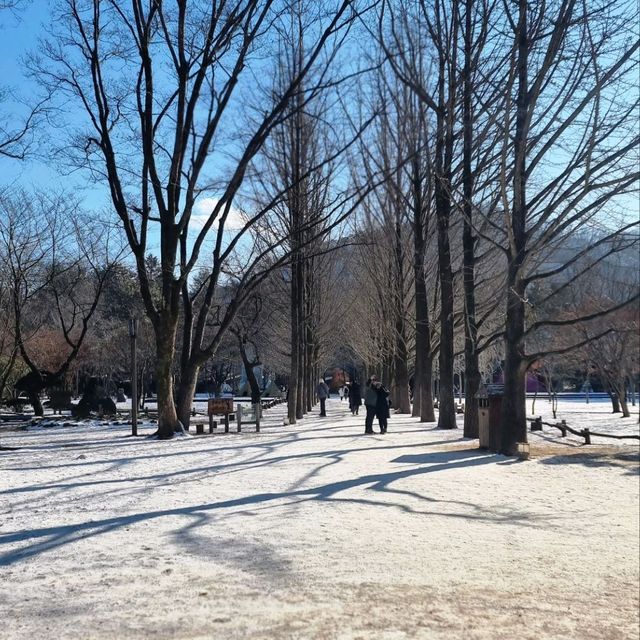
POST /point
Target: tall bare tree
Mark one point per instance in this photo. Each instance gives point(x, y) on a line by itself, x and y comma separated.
point(412, 27)
point(163, 88)
point(571, 150)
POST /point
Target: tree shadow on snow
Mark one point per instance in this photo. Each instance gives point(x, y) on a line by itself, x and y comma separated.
point(89, 469)
point(627, 461)
point(376, 489)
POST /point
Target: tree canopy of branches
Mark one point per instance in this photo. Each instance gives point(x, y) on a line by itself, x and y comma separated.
point(166, 92)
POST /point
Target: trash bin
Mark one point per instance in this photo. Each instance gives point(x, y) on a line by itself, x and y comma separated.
point(483, 422)
point(490, 415)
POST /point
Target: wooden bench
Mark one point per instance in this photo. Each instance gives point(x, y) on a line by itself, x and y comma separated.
point(249, 417)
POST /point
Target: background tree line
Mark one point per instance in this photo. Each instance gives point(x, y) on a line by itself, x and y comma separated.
point(423, 189)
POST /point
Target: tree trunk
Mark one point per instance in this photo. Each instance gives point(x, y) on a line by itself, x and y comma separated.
point(300, 344)
point(472, 372)
point(615, 404)
point(185, 393)
point(514, 415)
point(308, 378)
point(249, 365)
point(620, 396)
point(471, 386)
point(402, 401)
point(422, 387)
point(400, 365)
point(514, 412)
point(294, 368)
point(624, 406)
point(165, 351)
point(188, 372)
point(443, 159)
point(446, 403)
point(251, 377)
point(422, 380)
point(6, 372)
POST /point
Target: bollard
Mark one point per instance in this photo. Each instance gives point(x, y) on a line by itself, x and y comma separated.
point(199, 428)
point(563, 428)
point(258, 411)
point(536, 424)
point(587, 436)
point(239, 418)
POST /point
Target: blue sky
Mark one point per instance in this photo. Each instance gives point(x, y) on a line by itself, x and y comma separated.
point(19, 34)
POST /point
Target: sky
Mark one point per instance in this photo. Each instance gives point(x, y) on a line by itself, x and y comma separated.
point(19, 33)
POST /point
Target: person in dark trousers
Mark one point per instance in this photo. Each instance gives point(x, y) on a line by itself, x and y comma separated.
point(382, 405)
point(377, 404)
point(322, 391)
point(355, 398)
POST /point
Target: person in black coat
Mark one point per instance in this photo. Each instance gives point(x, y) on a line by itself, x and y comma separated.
point(376, 400)
point(355, 398)
point(382, 405)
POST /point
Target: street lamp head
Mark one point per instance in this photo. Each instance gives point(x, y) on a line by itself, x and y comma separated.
point(133, 327)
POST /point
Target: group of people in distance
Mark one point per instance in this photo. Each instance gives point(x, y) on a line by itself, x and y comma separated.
point(376, 401)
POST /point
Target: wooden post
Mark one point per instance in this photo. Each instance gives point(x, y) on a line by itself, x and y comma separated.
point(133, 330)
point(536, 424)
point(587, 436)
point(239, 417)
point(226, 423)
point(258, 408)
point(211, 427)
point(563, 428)
point(199, 428)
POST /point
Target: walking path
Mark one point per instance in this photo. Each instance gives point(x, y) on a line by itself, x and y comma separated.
point(313, 531)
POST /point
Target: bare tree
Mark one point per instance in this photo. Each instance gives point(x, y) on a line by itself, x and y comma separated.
point(410, 28)
point(248, 328)
point(566, 73)
point(57, 266)
point(162, 87)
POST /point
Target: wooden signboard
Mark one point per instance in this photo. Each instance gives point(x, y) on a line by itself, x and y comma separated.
point(220, 406)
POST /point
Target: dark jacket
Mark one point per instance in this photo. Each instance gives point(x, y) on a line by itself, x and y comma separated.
point(355, 399)
point(370, 396)
point(382, 400)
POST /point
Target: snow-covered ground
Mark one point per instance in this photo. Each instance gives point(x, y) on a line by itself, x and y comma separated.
point(318, 531)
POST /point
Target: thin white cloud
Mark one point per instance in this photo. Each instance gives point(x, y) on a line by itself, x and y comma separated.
point(203, 208)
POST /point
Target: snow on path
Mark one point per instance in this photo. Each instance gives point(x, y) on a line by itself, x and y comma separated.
point(314, 531)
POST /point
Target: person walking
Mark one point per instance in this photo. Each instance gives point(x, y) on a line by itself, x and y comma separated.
point(322, 391)
point(370, 403)
point(345, 392)
point(341, 393)
point(382, 405)
point(377, 405)
point(355, 398)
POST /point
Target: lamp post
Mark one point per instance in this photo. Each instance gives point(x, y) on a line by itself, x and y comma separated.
point(133, 330)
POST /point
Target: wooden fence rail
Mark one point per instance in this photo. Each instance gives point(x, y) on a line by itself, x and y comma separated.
point(536, 425)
